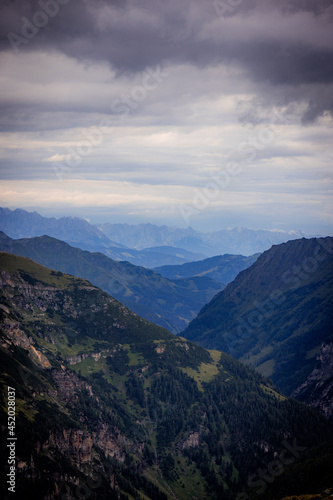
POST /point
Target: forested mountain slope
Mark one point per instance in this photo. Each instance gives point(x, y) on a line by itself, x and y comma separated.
point(276, 314)
point(110, 406)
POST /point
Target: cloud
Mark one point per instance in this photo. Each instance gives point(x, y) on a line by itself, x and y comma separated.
point(257, 204)
point(56, 158)
point(225, 78)
point(281, 45)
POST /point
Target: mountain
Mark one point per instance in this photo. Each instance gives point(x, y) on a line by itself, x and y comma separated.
point(168, 303)
point(22, 224)
point(226, 241)
point(222, 268)
point(246, 241)
point(110, 406)
point(141, 236)
point(276, 314)
point(317, 390)
point(79, 233)
point(154, 256)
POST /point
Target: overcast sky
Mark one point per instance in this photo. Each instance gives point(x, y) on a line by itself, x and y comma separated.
point(206, 113)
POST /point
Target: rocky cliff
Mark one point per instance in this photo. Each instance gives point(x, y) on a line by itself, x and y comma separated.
point(317, 390)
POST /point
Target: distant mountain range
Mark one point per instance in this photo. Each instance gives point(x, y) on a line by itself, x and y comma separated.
point(22, 224)
point(226, 241)
point(111, 406)
point(143, 244)
point(79, 233)
point(168, 303)
point(275, 315)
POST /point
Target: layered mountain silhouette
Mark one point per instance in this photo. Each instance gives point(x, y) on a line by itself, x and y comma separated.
point(169, 303)
point(146, 245)
point(111, 406)
point(234, 241)
point(80, 233)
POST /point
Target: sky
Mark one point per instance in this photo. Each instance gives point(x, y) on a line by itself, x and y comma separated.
point(207, 113)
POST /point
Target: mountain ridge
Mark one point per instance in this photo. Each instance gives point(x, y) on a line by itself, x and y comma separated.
point(275, 314)
point(242, 241)
point(222, 268)
point(115, 238)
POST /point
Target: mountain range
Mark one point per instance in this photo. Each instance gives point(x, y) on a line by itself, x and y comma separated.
point(146, 245)
point(111, 406)
point(168, 303)
point(277, 314)
point(80, 233)
point(242, 241)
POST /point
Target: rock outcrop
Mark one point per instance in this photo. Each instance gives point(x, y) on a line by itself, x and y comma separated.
point(317, 390)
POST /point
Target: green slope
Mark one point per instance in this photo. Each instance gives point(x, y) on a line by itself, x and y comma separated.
point(276, 314)
point(170, 304)
point(111, 406)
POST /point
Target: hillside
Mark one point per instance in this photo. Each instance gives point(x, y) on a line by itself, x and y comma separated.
point(110, 406)
point(222, 268)
point(170, 304)
point(276, 314)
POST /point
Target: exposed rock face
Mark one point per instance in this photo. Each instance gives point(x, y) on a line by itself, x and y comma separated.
point(69, 384)
point(317, 390)
point(73, 360)
point(160, 349)
point(191, 442)
point(112, 446)
point(19, 338)
point(76, 444)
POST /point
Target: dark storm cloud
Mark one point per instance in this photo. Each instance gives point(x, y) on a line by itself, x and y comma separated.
point(286, 44)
